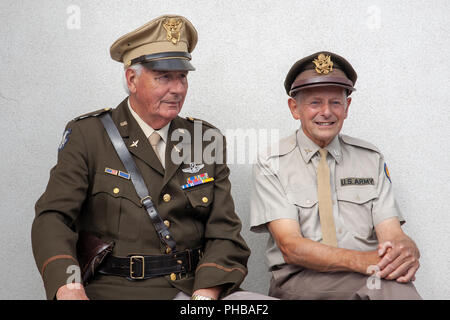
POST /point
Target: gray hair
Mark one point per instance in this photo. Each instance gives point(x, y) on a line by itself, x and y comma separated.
point(137, 69)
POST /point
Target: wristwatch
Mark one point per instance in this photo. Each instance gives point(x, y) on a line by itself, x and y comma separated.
point(199, 297)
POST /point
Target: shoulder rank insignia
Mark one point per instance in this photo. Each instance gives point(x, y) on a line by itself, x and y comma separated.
point(386, 171)
point(202, 122)
point(193, 168)
point(92, 114)
point(65, 139)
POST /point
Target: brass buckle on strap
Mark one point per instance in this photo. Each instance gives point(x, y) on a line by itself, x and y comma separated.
point(145, 198)
point(131, 267)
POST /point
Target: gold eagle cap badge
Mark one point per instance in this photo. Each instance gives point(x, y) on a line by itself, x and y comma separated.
point(173, 27)
point(323, 64)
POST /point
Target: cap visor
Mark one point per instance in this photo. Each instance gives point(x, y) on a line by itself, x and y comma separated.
point(169, 65)
point(324, 84)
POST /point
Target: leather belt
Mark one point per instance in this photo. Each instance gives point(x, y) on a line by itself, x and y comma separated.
point(140, 267)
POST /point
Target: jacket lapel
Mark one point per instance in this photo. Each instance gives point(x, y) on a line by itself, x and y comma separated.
point(178, 148)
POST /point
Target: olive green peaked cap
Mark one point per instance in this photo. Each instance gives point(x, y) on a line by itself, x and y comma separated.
point(320, 69)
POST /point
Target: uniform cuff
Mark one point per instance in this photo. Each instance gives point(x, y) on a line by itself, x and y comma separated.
point(211, 275)
point(58, 273)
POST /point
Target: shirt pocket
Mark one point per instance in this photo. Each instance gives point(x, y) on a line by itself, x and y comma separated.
point(355, 208)
point(115, 207)
point(306, 202)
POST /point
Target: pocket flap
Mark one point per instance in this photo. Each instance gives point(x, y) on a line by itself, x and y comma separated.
point(306, 198)
point(201, 196)
point(116, 187)
point(357, 195)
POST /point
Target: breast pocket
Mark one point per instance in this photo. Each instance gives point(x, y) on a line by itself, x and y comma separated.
point(306, 202)
point(200, 198)
point(355, 208)
point(115, 207)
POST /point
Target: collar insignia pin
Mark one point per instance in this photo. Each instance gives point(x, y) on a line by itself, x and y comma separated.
point(134, 144)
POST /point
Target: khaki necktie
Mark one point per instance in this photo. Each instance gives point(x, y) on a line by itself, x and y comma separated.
point(325, 205)
point(154, 139)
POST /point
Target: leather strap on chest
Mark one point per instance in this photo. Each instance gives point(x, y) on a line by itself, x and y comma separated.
point(138, 181)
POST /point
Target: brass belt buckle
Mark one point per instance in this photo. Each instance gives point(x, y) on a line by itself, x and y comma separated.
point(131, 267)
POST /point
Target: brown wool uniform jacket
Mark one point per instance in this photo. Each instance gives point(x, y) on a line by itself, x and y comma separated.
point(81, 196)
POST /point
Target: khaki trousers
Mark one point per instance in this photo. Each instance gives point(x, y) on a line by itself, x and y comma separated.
point(295, 283)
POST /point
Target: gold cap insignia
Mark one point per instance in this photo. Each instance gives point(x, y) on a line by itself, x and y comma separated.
point(323, 64)
point(173, 27)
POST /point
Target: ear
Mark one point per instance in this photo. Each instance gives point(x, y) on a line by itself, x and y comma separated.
point(349, 100)
point(294, 107)
point(132, 79)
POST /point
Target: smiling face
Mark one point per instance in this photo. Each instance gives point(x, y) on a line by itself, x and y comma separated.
point(322, 111)
point(157, 96)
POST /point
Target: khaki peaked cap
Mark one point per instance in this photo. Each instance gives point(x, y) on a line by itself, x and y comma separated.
point(164, 43)
point(320, 69)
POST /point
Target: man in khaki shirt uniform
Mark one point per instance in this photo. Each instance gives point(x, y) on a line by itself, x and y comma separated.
point(90, 190)
point(334, 224)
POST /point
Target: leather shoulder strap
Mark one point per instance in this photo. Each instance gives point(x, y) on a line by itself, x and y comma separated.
point(138, 181)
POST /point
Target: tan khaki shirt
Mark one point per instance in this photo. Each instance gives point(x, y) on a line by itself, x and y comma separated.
point(285, 186)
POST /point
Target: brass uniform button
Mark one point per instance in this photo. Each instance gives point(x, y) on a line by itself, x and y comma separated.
point(166, 197)
point(168, 250)
point(116, 190)
point(167, 223)
point(205, 199)
point(173, 277)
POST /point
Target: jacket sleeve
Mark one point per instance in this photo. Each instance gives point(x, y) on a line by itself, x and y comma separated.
point(226, 253)
point(52, 234)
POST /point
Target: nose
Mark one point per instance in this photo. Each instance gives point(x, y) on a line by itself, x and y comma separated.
point(326, 110)
point(177, 86)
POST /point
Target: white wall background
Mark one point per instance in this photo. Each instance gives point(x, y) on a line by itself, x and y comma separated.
point(52, 71)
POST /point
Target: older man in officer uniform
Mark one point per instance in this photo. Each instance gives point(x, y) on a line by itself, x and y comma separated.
point(196, 247)
point(327, 200)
